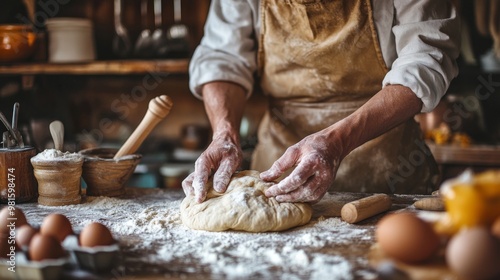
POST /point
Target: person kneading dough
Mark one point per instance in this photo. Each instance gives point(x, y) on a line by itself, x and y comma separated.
point(243, 207)
point(344, 80)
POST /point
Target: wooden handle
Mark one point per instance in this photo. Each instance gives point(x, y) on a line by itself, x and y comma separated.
point(57, 131)
point(364, 208)
point(158, 109)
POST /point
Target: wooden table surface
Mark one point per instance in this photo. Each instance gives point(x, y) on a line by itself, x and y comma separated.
point(135, 261)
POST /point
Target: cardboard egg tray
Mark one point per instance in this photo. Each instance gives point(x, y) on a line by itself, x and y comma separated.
point(25, 269)
point(101, 259)
point(98, 259)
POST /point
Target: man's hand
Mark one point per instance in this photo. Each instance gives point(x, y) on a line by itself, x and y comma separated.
point(224, 104)
point(317, 157)
point(222, 155)
point(316, 165)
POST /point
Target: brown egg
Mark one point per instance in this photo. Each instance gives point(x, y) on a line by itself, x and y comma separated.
point(24, 235)
point(11, 216)
point(43, 247)
point(406, 237)
point(473, 253)
point(56, 225)
point(495, 228)
point(96, 234)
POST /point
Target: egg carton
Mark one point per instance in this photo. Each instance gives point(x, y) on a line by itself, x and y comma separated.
point(99, 259)
point(23, 268)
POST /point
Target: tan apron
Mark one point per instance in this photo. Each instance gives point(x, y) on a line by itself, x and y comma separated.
point(319, 61)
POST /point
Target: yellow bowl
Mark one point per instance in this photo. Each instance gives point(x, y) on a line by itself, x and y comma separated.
point(472, 199)
point(17, 43)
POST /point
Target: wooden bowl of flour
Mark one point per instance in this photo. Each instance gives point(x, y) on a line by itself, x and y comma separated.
point(104, 175)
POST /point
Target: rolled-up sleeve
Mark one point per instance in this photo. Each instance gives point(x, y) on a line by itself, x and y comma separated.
point(427, 39)
point(227, 52)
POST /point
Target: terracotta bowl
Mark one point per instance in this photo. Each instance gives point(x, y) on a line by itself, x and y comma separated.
point(104, 175)
point(17, 43)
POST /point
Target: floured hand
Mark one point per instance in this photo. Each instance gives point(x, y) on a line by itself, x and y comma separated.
point(224, 103)
point(316, 162)
point(224, 156)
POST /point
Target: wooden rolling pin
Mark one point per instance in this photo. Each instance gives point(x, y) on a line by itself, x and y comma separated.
point(158, 109)
point(365, 208)
point(430, 204)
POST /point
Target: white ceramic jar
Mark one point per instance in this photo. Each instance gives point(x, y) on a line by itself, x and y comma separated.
point(70, 40)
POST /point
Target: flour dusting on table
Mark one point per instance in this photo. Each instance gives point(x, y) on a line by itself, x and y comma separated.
point(150, 231)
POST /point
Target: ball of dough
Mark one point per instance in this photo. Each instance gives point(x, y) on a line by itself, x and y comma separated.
point(243, 207)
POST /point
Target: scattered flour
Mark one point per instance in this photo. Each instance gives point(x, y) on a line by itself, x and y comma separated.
point(150, 231)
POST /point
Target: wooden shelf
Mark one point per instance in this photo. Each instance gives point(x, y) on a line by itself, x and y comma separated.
point(109, 67)
point(486, 155)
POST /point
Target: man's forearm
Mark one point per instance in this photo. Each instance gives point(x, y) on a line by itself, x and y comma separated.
point(390, 107)
point(224, 104)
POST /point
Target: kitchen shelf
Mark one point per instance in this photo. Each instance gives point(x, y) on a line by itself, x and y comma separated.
point(108, 67)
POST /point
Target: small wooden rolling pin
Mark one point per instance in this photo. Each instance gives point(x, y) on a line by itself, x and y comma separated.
point(430, 204)
point(365, 208)
point(158, 109)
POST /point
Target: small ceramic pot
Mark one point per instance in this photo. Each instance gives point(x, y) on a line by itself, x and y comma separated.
point(104, 175)
point(174, 174)
point(17, 43)
point(59, 180)
point(195, 137)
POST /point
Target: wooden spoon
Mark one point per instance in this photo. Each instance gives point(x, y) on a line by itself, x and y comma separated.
point(158, 109)
point(57, 132)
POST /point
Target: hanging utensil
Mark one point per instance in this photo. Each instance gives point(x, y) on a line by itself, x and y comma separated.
point(144, 44)
point(178, 34)
point(121, 41)
point(159, 38)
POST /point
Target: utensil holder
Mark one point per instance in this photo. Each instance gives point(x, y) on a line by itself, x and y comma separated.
point(17, 182)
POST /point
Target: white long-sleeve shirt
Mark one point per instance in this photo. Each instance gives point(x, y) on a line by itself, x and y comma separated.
point(419, 40)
